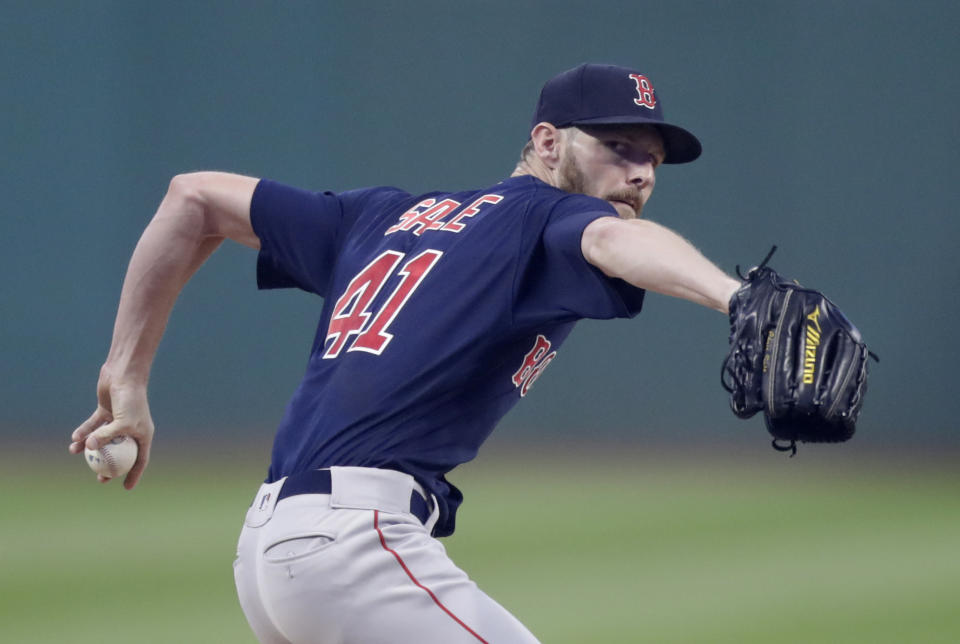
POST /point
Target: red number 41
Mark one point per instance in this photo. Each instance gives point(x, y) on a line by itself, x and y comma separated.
point(351, 314)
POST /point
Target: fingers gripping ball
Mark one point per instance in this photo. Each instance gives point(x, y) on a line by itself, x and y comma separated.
point(113, 459)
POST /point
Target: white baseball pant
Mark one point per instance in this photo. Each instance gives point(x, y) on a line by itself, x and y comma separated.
point(356, 567)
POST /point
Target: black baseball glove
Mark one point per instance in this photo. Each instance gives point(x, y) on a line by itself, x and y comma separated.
point(794, 356)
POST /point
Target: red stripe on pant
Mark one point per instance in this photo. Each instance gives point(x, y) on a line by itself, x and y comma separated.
point(383, 542)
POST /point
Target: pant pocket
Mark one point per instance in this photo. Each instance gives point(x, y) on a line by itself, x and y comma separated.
point(297, 547)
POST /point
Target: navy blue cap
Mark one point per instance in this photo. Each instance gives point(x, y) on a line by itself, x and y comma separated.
point(607, 94)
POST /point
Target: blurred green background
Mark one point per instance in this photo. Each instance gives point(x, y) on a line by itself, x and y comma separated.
point(622, 501)
point(594, 547)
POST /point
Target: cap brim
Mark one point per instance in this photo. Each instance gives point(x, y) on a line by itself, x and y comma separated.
point(680, 145)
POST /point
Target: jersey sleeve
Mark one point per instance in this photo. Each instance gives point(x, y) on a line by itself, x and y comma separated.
point(556, 281)
point(301, 232)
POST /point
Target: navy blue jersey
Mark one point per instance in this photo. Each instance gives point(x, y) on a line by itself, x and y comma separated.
point(440, 311)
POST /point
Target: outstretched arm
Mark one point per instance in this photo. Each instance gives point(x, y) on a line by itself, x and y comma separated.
point(198, 212)
point(653, 257)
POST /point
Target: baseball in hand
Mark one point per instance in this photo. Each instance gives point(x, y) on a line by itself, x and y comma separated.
point(113, 459)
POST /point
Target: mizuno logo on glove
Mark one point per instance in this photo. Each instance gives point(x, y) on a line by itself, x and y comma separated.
point(811, 346)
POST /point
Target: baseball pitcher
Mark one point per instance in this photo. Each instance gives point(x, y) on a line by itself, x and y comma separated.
point(441, 310)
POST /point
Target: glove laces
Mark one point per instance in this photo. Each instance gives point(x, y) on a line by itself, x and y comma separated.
point(753, 271)
point(791, 447)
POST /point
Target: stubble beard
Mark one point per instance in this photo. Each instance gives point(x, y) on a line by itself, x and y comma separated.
point(572, 178)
